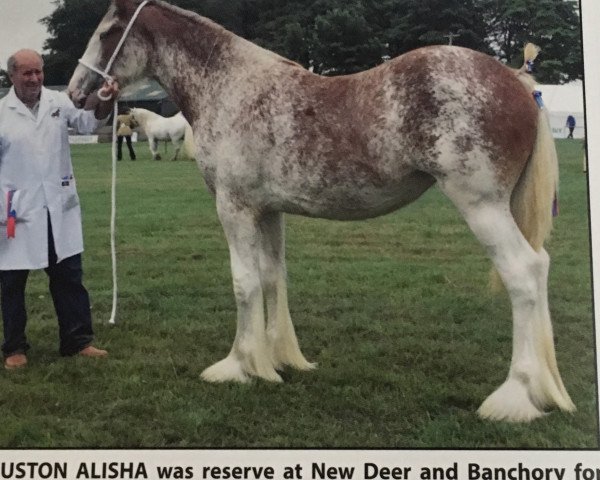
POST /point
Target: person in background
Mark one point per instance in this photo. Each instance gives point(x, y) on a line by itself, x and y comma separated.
point(571, 125)
point(126, 124)
point(40, 216)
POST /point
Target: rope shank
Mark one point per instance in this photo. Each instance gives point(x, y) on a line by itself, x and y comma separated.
point(113, 194)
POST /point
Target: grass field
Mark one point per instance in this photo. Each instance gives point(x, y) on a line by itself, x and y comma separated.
point(395, 310)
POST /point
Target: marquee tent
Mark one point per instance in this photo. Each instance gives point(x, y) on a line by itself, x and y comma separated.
point(562, 101)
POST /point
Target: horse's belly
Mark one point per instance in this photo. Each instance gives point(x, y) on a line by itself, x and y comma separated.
point(350, 201)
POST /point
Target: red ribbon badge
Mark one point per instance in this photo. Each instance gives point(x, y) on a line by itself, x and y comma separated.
point(11, 216)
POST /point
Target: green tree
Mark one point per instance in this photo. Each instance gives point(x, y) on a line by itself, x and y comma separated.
point(283, 27)
point(416, 23)
point(553, 25)
point(344, 42)
point(4, 80)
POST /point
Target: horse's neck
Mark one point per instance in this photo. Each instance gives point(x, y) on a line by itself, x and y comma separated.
point(145, 116)
point(191, 64)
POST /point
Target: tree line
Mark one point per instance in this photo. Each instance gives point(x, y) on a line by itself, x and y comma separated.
point(336, 37)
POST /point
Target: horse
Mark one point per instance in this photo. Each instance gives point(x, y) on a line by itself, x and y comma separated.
point(157, 127)
point(272, 138)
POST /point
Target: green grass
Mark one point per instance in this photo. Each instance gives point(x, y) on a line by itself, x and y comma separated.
point(395, 310)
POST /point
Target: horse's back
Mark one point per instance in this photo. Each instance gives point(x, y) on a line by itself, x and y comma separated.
point(428, 104)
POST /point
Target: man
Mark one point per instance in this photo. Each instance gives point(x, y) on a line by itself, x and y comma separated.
point(40, 217)
point(126, 125)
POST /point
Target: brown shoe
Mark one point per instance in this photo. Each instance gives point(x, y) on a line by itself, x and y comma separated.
point(91, 351)
point(12, 362)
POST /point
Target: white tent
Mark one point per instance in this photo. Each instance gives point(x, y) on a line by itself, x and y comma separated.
point(562, 101)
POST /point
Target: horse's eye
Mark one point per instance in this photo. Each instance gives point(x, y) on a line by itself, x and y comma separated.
point(107, 32)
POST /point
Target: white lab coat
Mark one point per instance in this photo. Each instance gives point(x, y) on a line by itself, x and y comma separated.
point(35, 162)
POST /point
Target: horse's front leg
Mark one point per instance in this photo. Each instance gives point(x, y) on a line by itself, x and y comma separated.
point(249, 354)
point(283, 344)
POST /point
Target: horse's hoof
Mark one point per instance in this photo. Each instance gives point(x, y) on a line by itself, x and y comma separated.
point(227, 370)
point(510, 403)
point(270, 375)
point(305, 365)
point(298, 363)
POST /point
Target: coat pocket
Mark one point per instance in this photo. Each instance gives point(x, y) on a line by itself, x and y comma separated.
point(26, 202)
point(68, 194)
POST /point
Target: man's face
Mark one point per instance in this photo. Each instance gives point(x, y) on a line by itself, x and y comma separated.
point(28, 77)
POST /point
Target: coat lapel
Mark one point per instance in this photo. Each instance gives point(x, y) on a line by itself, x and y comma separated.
point(46, 105)
point(17, 105)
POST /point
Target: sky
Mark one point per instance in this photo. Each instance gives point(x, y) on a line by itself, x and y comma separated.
point(20, 27)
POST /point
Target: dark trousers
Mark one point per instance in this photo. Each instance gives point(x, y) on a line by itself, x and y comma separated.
point(71, 302)
point(120, 146)
point(570, 132)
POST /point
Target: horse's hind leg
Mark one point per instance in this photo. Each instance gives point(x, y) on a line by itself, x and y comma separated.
point(533, 382)
point(281, 337)
point(153, 144)
point(177, 146)
point(249, 354)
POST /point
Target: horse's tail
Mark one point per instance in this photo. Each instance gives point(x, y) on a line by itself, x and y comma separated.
point(534, 196)
point(189, 146)
point(533, 204)
point(533, 199)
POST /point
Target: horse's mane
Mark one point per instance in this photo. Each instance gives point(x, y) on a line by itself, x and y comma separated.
point(144, 111)
point(195, 17)
point(144, 115)
point(212, 26)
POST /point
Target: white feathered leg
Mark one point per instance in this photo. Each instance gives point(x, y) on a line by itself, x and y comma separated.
point(281, 336)
point(249, 354)
point(533, 382)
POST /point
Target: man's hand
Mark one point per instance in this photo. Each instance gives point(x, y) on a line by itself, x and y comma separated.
point(102, 108)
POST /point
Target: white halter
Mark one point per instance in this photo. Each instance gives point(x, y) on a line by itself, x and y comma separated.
point(113, 214)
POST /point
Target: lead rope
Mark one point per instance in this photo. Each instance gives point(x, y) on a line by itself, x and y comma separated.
point(113, 194)
point(113, 214)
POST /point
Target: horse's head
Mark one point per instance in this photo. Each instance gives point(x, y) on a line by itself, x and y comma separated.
point(135, 115)
point(131, 60)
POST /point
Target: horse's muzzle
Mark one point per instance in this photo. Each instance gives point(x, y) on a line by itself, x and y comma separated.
point(82, 84)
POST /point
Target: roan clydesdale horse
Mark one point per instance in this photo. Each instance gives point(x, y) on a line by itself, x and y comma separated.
point(273, 138)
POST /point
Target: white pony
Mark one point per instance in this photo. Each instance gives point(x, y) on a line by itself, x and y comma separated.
point(158, 128)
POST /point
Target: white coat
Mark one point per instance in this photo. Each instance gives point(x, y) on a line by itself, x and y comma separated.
point(35, 163)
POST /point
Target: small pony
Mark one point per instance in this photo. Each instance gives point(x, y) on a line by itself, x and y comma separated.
point(272, 138)
point(157, 127)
